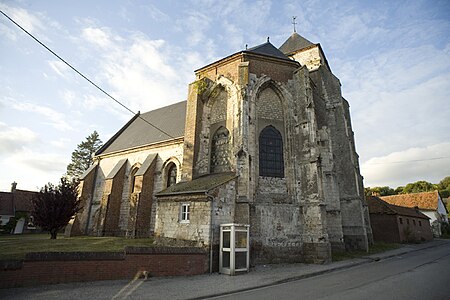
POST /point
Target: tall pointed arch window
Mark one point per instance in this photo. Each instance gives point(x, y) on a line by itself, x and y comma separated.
point(220, 151)
point(171, 174)
point(271, 162)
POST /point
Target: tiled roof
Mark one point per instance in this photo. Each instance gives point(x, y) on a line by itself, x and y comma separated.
point(294, 43)
point(424, 200)
point(378, 206)
point(6, 204)
point(198, 185)
point(137, 132)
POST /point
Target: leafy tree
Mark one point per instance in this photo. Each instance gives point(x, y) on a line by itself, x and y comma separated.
point(82, 156)
point(399, 190)
point(54, 206)
point(379, 190)
point(444, 187)
point(419, 186)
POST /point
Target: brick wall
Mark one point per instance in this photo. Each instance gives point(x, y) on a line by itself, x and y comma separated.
point(51, 268)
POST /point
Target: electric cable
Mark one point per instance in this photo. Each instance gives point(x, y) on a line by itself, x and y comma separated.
point(83, 76)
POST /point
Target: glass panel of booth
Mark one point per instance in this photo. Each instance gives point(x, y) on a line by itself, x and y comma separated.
point(241, 239)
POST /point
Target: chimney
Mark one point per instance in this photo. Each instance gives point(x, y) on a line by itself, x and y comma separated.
point(13, 186)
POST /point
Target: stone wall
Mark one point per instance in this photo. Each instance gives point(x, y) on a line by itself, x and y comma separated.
point(168, 152)
point(220, 201)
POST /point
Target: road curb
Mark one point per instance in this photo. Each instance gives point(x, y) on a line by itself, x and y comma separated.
point(364, 260)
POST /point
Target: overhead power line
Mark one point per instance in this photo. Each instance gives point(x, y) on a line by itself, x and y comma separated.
point(407, 161)
point(83, 76)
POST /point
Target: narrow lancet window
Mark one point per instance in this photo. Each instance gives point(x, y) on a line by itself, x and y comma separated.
point(271, 162)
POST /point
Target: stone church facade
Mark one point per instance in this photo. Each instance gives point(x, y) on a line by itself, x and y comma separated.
point(263, 139)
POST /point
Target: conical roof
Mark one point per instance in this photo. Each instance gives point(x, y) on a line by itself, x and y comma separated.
point(294, 42)
point(267, 49)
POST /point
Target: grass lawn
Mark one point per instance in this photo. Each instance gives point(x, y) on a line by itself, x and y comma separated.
point(375, 248)
point(16, 246)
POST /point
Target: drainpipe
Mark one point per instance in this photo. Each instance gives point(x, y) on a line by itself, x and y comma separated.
point(211, 233)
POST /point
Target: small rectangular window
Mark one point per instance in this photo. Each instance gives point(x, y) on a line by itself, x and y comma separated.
point(420, 223)
point(407, 221)
point(414, 222)
point(184, 213)
point(401, 220)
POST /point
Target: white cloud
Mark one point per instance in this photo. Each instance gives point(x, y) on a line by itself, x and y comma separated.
point(61, 143)
point(139, 71)
point(52, 117)
point(431, 163)
point(13, 139)
point(59, 67)
point(28, 21)
point(32, 169)
point(398, 99)
point(97, 36)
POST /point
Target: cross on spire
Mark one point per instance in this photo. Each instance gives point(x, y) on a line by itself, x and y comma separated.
point(293, 22)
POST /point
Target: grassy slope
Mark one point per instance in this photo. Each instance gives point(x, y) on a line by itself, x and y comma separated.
point(16, 246)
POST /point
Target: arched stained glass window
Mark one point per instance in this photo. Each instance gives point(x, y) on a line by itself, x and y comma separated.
point(171, 174)
point(271, 163)
point(220, 151)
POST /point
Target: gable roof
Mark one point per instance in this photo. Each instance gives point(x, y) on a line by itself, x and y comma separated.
point(294, 43)
point(424, 200)
point(201, 184)
point(22, 199)
point(138, 133)
point(6, 204)
point(378, 206)
point(267, 49)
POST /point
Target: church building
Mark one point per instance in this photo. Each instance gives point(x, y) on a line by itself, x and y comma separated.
point(264, 139)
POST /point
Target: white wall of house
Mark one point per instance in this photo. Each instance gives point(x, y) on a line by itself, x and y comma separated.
point(441, 210)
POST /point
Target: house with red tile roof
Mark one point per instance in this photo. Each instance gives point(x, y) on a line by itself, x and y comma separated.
point(429, 203)
point(397, 224)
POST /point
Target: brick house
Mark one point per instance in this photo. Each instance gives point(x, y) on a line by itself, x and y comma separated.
point(397, 224)
point(264, 139)
point(429, 203)
point(15, 203)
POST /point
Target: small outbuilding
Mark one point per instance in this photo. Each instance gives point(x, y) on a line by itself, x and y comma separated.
point(429, 203)
point(397, 224)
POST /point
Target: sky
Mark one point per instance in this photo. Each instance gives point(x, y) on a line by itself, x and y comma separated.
point(392, 58)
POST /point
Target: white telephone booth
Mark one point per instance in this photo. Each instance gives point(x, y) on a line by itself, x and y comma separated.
point(234, 248)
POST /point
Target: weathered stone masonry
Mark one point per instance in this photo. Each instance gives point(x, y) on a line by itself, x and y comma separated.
point(267, 140)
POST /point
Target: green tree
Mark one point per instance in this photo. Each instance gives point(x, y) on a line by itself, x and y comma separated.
point(444, 187)
point(379, 190)
point(54, 206)
point(419, 186)
point(399, 190)
point(82, 156)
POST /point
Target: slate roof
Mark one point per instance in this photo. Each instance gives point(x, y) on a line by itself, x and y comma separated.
point(378, 206)
point(201, 184)
point(267, 49)
point(424, 200)
point(22, 199)
point(6, 204)
point(294, 43)
point(19, 200)
point(138, 133)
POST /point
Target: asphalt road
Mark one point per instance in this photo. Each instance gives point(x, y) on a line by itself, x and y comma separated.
point(420, 274)
point(417, 275)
